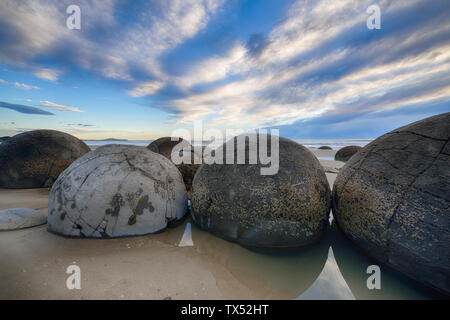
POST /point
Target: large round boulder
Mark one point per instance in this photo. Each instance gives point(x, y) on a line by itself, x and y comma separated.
point(117, 191)
point(345, 153)
point(393, 197)
point(271, 208)
point(35, 159)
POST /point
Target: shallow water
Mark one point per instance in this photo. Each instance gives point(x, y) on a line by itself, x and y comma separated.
point(186, 263)
point(332, 269)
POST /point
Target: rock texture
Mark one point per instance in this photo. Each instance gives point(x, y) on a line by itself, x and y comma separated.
point(345, 153)
point(18, 218)
point(188, 170)
point(288, 209)
point(117, 191)
point(165, 146)
point(393, 197)
point(35, 159)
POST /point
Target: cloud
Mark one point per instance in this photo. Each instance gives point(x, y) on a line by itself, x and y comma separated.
point(104, 46)
point(319, 61)
point(53, 105)
point(25, 86)
point(48, 74)
point(19, 85)
point(80, 125)
point(146, 88)
point(24, 109)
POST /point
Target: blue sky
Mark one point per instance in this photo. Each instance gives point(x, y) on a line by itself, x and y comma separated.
point(141, 69)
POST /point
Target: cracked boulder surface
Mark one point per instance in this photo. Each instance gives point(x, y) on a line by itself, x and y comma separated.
point(392, 199)
point(35, 159)
point(344, 154)
point(237, 203)
point(117, 191)
point(165, 146)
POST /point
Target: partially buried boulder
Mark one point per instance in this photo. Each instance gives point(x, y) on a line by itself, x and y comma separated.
point(117, 191)
point(345, 153)
point(239, 202)
point(393, 200)
point(166, 145)
point(35, 159)
point(18, 218)
point(325, 148)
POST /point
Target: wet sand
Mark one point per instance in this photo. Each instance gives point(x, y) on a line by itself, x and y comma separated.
point(183, 263)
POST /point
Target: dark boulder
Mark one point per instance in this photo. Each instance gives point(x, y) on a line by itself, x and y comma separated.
point(325, 148)
point(345, 153)
point(392, 199)
point(35, 159)
point(237, 202)
point(165, 145)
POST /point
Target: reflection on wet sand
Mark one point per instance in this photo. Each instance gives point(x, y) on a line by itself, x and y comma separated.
point(330, 285)
point(282, 275)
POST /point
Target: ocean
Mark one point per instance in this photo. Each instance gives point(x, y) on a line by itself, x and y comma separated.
point(335, 144)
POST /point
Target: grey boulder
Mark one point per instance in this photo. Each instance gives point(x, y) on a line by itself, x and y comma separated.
point(18, 218)
point(392, 199)
point(117, 191)
point(238, 203)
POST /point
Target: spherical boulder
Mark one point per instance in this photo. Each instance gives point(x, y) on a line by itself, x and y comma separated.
point(35, 159)
point(117, 191)
point(392, 198)
point(325, 148)
point(345, 153)
point(288, 207)
point(18, 218)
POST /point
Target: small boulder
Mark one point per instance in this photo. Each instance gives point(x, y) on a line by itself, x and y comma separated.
point(117, 191)
point(166, 145)
point(287, 209)
point(345, 153)
point(35, 159)
point(325, 148)
point(18, 218)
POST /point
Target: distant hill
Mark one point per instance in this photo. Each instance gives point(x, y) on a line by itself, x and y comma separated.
point(108, 139)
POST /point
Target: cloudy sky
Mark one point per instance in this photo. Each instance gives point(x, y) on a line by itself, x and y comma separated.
point(140, 69)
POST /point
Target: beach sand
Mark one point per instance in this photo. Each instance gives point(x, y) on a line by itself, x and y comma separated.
point(180, 263)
